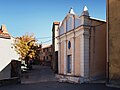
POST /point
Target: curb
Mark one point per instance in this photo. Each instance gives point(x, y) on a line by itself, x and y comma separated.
point(15, 80)
point(113, 85)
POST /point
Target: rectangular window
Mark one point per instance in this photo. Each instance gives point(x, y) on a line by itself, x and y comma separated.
point(47, 57)
point(50, 49)
point(44, 57)
point(69, 64)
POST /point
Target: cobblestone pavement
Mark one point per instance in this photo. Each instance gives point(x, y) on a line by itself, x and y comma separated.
point(42, 78)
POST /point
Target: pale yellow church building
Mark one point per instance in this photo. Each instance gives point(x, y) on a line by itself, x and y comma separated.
point(81, 48)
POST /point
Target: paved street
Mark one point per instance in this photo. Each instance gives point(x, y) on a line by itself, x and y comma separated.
point(38, 74)
point(56, 85)
point(42, 78)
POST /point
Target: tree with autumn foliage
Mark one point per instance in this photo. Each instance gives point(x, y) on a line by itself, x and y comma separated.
point(24, 46)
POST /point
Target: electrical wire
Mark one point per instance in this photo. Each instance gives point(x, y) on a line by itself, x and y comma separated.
point(43, 37)
point(46, 41)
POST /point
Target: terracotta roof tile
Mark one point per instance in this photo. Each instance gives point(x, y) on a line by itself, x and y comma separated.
point(56, 23)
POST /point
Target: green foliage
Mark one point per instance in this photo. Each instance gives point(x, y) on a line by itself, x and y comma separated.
point(24, 46)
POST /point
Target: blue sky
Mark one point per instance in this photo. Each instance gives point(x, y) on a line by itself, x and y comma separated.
point(37, 16)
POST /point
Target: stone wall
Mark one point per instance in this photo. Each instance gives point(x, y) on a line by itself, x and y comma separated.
point(113, 18)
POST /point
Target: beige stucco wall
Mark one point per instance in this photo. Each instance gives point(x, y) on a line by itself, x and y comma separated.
point(98, 49)
point(77, 56)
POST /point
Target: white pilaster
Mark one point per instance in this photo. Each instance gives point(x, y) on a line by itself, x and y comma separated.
point(86, 55)
point(59, 57)
point(73, 57)
point(82, 55)
point(65, 57)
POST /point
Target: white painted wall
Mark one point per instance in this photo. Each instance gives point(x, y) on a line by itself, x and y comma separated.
point(7, 53)
point(56, 35)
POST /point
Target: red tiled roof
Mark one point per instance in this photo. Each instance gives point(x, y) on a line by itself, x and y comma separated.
point(56, 23)
point(1, 31)
point(4, 35)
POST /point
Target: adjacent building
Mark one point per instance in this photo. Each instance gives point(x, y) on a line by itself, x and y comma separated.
point(46, 54)
point(113, 41)
point(7, 54)
point(81, 48)
point(55, 46)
